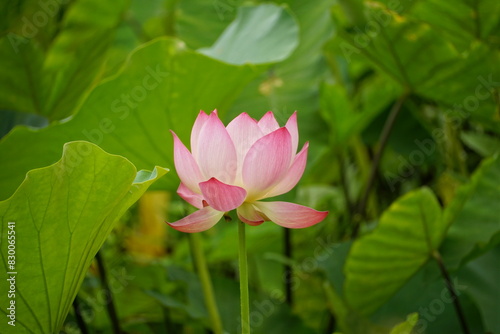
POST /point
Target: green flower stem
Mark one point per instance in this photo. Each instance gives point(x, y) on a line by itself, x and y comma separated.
point(244, 300)
point(206, 283)
point(288, 268)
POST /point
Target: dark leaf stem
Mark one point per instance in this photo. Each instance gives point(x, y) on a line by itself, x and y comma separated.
point(384, 137)
point(453, 292)
point(110, 305)
point(171, 16)
point(78, 315)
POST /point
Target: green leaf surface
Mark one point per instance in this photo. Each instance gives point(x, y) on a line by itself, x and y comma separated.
point(260, 34)
point(9, 119)
point(76, 56)
point(407, 326)
point(350, 322)
point(462, 21)
point(163, 86)
point(475, 223)
point(21, 90)
point(337, 111)
point(424, 62)
point(481, 143)
point(422, 293)
point(202, 22)
point(50, 78)
point(294, 83)
point(29, 18)
point(340, 110)
point(396, 46)
point(481, 278)
point(381, 262)
point(62, 215)
point(9, 13)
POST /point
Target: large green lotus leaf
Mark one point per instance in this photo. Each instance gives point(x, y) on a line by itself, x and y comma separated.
point(163, 86)
point(77, 54)
point(420, 294)
point(62, 214)
point(473, 215)
point(294, 83)
point(465, 86)
point(396, 46)
point(425, 62)
point(462, 21)
point(198, 23)
point(9, 119)
point(260, 34)
point(381, 262)
point(49, 77)
point(21, 78)
point(201, 22)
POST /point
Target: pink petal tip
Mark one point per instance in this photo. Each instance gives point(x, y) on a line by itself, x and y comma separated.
point(198, 221)
point(290, 215)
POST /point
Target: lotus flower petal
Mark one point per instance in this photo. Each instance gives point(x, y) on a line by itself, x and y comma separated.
point(195, 132)
point(198, 221)
point(293, 175)
point(266, 162)
point(186, 166)
point(234, 167)
point(189, 196)
point(292, 127)
point(268, 123)
point(290, 215)
point(216, 154)
point(221, 196)
point(244, 132)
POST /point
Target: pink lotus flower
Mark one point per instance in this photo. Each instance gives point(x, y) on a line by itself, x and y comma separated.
point(235, 167)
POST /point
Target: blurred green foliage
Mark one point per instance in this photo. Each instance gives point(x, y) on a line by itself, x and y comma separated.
point(399, 99)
